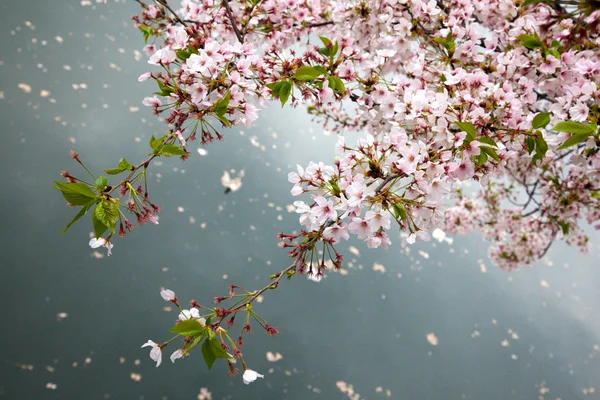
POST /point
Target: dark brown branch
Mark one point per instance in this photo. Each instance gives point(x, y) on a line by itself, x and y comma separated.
point(238, 34)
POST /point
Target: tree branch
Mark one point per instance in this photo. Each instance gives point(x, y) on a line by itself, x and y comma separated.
point(238, 34)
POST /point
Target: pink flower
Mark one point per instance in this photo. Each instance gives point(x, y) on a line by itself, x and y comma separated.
point(465, 170)
point(144, 76)
point(163, 56)
point(336, 232)
point(360, 227)
point(153, 101)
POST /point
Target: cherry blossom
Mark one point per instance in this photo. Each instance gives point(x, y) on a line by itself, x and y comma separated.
point(250, 376)
point(155, 352)
point(95, 243)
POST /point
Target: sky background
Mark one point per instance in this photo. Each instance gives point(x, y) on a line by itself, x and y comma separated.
point(434, 321)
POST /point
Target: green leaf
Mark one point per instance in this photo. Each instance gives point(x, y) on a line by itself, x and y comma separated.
point(207, 353)
point(574, 127)
point(80, 214)
point(540, 120)
point(156, 143)
point(123, 166)
point(326, 42)
point(541, 145)
point(469, 128)
point(189, 327)
point(101, 182)
point(552, 52)
point(192, 344)
point(107, 213)
point(284, 92)
point(336, 83)
point(217, 349)
point(224, 121)
point(399, 211)
point(170, 150)
point(78, 194)
point(334, 50)
point(99, 227)
point(573, 140)
point(530, 144)
point(487, 141)
point(447, 42)
point(321, 69)
point(564, 226)
point(221, 104)
point(481, 158)
point(183, 54)
point(528, 2)
point(275, 88)
point(306, 73)
point(530, 41)
point(164, 88)
point(490, 152)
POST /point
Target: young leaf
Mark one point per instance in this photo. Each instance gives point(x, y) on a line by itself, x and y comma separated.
point(399, 211)
point(530, 144)
point(573, 140)
point(540, 120)
point(336, 83)
point(530, 41)
point(183, 54)
point(169, 150)
point(481, 158)
point(80, 214)
point(99, 227)
point(224, 121)
point(275, 87)
point(564, 227)
point(107, 213)
point(306, 73)
point(490, 152)
point(284, 92)
point(189, 327)
point(528, 2)
point(488, 141)
point(123, 166)
point(574, 127)
point(207, 353)
point(221, 104)
point(78, 194)
point(101, 182)
point(217, 349)
point(469, 128)
point(326, 42)
point(192, 344)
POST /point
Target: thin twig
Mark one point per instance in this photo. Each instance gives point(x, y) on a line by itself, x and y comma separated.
point(164, 3)
point(387, 180)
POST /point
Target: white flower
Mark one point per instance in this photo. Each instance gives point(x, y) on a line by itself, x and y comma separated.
point(155, 352)
point(168, 295)
point(189, 314)
point(250, 376)
point(177, 354)
point(193, 313)
point(95, 243)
